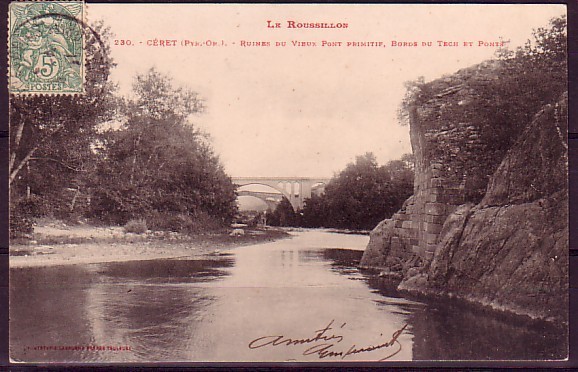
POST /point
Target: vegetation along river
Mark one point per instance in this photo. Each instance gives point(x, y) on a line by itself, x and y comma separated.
point(298, 299)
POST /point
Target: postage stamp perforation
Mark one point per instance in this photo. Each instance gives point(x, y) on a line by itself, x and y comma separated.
point(46, 42)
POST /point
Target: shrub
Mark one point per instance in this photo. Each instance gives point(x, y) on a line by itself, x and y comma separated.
point(187, 223)
point(136, 226)
point(21, 218)
point(203, 222)
point(20, 225)
point(165, 221)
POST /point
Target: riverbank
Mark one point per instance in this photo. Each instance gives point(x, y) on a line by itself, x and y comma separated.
point(55, 244)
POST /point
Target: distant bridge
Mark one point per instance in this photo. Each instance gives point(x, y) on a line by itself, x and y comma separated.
point(272, 199)
point(295, 189)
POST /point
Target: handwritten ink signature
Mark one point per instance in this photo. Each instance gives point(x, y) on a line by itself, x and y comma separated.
point(324, 343)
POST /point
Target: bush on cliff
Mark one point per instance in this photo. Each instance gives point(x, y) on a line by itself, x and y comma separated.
point(495, 131)
point(497, 98)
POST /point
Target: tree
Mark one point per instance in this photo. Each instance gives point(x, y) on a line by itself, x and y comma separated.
point(315, 212)
point(401, 174)
point(159, 165)
point(37, 121)
point(283, 215)
point(361, 195)
point(51, 136)
point(355, 194)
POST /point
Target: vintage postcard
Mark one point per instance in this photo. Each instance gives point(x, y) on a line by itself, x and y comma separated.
point(287, 182)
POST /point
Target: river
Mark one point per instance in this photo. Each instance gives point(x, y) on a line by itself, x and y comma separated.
point(298, 299)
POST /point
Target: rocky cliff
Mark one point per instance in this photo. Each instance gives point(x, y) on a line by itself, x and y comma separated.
point(488, 221)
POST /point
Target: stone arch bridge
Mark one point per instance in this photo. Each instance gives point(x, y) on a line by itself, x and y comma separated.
point(295, 189)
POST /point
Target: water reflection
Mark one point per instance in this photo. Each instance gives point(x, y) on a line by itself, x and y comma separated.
point(452, 330)
point(149, 305)
point(167, 271)
point(345, 262)
point(455, 331)
point(289, 288)
point(210, 310)
point(38, 311)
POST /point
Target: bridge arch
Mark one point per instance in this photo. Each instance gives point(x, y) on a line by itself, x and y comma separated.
point(271, 198)
point(278, 189)
point(251, 203)
point(295, 189)
point(257, 204)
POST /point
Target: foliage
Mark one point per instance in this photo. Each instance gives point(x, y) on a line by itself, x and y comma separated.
point(51, 136)
point(361, 195)
point(531, 75)
point(136, 226)
point(20, 219)
point(184, 223)
point(169, 221)
point(499, 98)
point(158, 163)
point(315, 211)
point(284, 215)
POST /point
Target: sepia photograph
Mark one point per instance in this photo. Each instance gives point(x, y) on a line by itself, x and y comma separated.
point(287, 182)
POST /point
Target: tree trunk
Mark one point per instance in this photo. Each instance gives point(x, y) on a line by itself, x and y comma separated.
point(73, 203)
point(137, 143)
point(14, 146)
point(14, 172)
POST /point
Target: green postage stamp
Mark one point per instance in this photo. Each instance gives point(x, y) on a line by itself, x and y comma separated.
point(46, 42)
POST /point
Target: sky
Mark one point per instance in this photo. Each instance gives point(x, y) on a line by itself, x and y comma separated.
point(307, 111)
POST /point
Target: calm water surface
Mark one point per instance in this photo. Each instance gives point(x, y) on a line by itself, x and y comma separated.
point(211, 310)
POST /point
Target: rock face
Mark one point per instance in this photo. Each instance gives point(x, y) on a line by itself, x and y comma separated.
point(488, 222)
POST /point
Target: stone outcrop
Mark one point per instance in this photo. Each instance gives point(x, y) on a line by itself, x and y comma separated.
point(488, 222)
